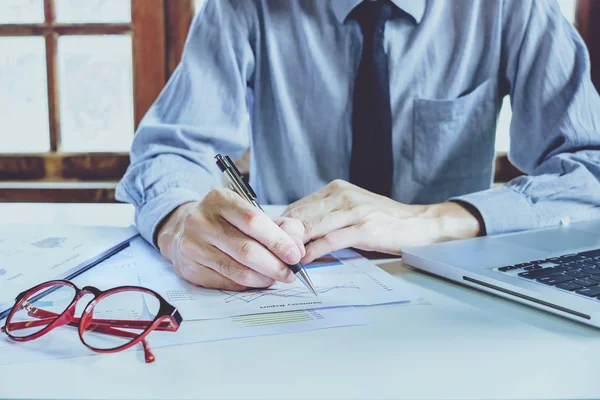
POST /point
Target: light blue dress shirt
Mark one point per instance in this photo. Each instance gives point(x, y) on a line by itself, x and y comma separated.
point(450, 63)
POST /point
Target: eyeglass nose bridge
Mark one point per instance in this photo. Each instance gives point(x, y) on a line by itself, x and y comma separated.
point(69, 314)
point(90, 289)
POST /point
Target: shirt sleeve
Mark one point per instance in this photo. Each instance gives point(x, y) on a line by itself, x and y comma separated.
point(201, 111)
point(555, 128)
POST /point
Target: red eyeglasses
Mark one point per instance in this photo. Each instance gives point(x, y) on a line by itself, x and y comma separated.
point(111, 321)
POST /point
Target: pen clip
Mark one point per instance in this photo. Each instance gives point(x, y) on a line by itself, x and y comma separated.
point(239, 175)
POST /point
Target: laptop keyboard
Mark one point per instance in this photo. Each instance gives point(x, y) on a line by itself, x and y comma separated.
point(577, 273)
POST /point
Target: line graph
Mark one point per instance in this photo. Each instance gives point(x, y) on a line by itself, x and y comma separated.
point(342, 279)
point(253, 295)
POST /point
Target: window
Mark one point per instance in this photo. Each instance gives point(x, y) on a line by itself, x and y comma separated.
point(77, 77)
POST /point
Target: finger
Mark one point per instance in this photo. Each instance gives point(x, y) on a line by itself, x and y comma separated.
point(337, 240)
point(257, 225)
point(330, 214)
point(294, 228)
point(192, 252)
point(310, 210)
point(312, 198)
point(317, 196)
point(235, 271)
point(249, 252)
point(324, 224)
point(203, 276)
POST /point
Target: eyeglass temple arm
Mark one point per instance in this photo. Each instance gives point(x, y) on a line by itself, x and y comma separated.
point(100, 326)
point(148, 355)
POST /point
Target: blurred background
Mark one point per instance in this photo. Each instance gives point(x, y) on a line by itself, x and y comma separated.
point(77, 76)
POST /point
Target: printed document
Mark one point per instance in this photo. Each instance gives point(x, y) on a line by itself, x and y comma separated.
point(120, 270)
point(33, 254)
point(342, 279)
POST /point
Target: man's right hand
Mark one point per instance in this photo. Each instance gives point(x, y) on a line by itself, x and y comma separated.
point(223, 242)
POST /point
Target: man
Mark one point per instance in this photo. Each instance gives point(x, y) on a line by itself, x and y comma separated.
point(384, 110)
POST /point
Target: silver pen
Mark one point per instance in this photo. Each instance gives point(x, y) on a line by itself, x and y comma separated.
point(238, 184)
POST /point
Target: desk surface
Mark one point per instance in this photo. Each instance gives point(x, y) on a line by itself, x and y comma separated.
point(463, 344)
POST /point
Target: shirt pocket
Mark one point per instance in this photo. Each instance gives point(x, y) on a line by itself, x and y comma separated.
point(454, 139)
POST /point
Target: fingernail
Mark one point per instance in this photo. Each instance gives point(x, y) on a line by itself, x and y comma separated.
point(293, 255)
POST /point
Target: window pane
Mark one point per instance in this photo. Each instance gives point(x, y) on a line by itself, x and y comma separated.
point(21, 11)
point(23, 95)
point(76, 11)
point(96, 93)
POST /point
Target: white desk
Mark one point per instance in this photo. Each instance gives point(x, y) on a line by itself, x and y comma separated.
point(465, 344)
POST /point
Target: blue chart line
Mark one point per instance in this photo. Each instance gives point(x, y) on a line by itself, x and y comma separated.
point(325, 261)
point(250, 296)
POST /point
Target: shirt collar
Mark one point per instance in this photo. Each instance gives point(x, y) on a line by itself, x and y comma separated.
point(414, 8)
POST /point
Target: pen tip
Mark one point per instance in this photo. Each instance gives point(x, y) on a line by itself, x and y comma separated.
point(303, 277)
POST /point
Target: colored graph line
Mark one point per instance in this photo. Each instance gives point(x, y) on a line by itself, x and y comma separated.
point(325, 261)
point(49, 243)
point(253, 295)
point(273, 318)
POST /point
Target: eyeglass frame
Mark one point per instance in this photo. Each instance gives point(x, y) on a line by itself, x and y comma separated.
point(167, 318)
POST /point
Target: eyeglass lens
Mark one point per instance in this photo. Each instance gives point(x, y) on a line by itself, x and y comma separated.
point(118, 318)
point(39, 309)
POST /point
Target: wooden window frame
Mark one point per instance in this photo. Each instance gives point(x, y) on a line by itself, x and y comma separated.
point(158, 29)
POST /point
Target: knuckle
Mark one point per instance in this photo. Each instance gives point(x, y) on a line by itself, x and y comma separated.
point(329, 239)
point(308, 225)
point(251, 218)
point(348, 196)
point(213, 195)
point(278, 243)
point(337, 184)
point(218, 197)
point(246, 252)
point(289, 208)
point(224, 267)
point(293, 214)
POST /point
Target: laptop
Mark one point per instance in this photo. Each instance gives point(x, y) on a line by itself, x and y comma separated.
point(555, 269)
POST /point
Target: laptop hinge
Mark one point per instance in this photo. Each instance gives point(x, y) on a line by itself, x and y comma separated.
point(525, 297)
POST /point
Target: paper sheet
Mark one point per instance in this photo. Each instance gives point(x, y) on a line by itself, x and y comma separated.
point(121, 270)
point(32, 254)
point(343, 279)
point(65, 343)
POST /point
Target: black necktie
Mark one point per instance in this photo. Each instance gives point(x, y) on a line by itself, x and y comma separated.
point(371, 162)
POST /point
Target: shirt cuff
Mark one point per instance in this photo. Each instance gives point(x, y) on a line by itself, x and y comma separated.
point(502, 209)
point(151, 214)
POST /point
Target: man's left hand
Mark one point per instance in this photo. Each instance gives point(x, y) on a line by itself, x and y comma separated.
point(343, 215)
